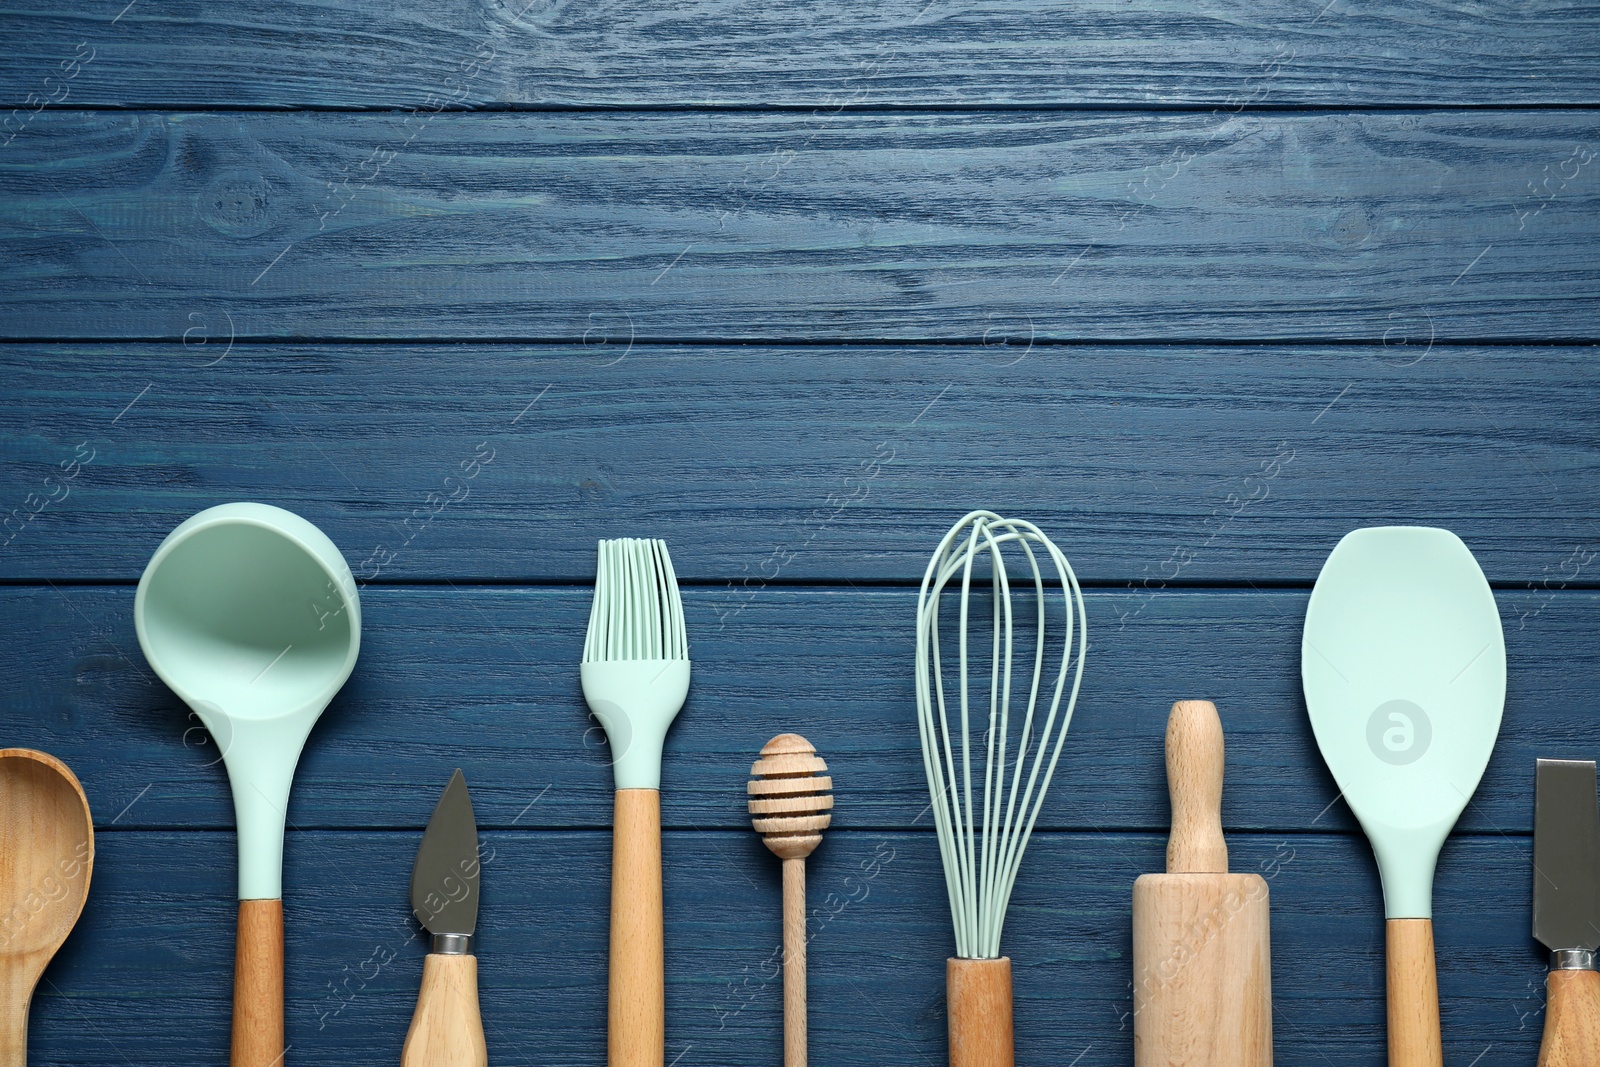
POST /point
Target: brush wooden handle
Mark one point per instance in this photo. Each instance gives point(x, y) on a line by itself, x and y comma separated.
point(258, 985)
point(447, 1029)
point(978, 995)
point(794, 963)
point(1571, 1020)
point(637, 1008)
point(1194, 782)
point(1414, 1039)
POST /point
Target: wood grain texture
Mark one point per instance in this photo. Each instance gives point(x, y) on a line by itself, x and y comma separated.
point(1571, 1020)
point(786, 226)
point(154, 945)
point(1413, 995)
point(794, 963)
point(1202, 971)
point(636, 1017)
point(979, 994)
point(493, 671)
point(1195, 755)
point(46, 862)
point(790, 805)
point(760, 465)
point(447, 1029)
point(1202, 956)
point(807, 53)
point(258, 985)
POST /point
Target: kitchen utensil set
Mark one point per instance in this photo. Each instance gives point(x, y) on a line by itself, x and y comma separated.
point(982, 852)
point(250, 615)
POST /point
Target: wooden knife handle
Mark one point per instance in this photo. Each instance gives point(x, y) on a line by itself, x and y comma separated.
point(1571, 1020)
point(978, 995)
point(638, 1007)
point(447, 1029)
point(1414, 1039)
point(258, 985)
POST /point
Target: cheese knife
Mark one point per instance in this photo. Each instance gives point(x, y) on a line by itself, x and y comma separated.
point(447, 1029)
point(1566, 909)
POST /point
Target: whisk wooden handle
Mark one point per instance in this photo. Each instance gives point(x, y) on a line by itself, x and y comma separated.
point(978, 995)
point(1194, 780)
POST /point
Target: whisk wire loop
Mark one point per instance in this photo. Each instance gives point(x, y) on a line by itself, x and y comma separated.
point(982, 853)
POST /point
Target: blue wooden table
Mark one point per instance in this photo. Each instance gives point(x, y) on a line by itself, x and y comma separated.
point(794, 285)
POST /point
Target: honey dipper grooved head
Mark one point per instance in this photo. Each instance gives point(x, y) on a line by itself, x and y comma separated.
point(790, 796)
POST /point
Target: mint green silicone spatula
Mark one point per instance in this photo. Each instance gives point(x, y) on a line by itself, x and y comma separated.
point(1404, 669)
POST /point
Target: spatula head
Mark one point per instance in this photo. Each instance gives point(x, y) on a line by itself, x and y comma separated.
point(1404, 669)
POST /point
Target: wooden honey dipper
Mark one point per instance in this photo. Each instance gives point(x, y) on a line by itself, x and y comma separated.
point(790, 806)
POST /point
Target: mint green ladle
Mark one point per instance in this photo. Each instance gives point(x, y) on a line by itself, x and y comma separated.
point(250, 614)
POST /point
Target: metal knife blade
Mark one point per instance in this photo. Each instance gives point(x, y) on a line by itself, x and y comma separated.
point(1566, 856)
point(444, 878)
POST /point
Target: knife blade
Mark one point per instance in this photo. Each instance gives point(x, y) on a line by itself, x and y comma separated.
point(447, 1028)
point(1566, 856)
point(444, 878)
point(1566, 909)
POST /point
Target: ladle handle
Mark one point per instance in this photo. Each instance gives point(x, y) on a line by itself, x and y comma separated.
point(258, 985)
point(1414, 1039)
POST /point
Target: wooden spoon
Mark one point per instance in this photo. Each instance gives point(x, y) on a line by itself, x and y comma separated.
point(791, 803)
point(46, 857)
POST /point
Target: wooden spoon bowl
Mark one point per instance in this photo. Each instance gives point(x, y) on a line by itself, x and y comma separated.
point(46, 858)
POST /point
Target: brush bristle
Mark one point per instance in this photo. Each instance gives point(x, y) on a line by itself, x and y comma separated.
point(637, 612)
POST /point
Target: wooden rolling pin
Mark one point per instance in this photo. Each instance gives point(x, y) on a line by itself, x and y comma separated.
point(1202, 981)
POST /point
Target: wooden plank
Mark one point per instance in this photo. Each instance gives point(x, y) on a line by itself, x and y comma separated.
point(485, 678)
point(805, 53)
point(1018, 226)
point(155, 944)
point(1149, 465)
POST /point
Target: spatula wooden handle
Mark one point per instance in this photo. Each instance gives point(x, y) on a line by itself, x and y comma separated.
point(1414, 1039)
point(978, 995)
point(638, 1007)
point(447, 1029)
point(1571, 1020)
point(258, 985)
